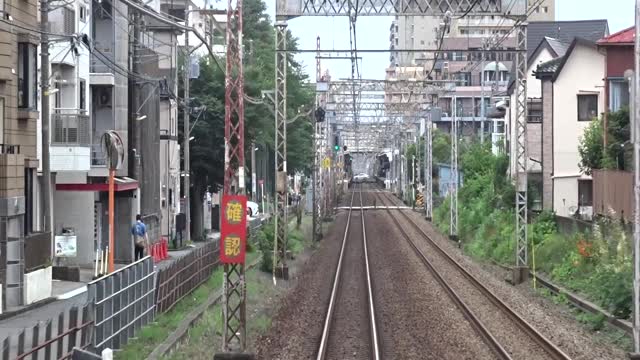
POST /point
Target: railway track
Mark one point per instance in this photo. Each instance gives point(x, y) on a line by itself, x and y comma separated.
point(506, 331)
point(351, 302)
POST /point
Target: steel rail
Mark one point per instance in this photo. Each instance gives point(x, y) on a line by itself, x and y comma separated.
point(372, 312)
point(324, 340)
point(554, 351)
point(476, 323)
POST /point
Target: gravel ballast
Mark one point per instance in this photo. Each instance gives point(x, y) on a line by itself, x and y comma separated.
point(544, 316)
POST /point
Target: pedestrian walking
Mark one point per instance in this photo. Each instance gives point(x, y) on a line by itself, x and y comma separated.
point(140, 238)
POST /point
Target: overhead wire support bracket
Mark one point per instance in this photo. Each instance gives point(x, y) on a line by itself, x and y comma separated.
point(287, 9)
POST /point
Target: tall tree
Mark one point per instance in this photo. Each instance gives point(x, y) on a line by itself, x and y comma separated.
point(207, 149)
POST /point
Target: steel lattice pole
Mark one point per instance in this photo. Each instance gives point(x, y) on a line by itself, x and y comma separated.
point(280, 245)
point(234, 308)
point(453, 177)
point(521, 156)
point(428, 171)
point(317, 221)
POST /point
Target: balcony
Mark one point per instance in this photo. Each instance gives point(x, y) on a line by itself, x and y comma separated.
point(70, 142)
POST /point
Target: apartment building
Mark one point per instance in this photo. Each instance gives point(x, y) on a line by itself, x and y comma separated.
point(24, 253)
point(91, 82)
point(419, 32)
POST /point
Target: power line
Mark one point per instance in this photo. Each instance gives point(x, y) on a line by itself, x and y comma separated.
point(469, 10)
point(27, 28)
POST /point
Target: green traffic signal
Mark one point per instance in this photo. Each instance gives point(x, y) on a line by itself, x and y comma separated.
point(336, 147)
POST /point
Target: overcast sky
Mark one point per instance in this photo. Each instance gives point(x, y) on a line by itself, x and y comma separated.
point(373, 33)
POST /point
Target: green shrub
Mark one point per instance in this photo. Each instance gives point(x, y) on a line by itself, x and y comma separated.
point(597, 265)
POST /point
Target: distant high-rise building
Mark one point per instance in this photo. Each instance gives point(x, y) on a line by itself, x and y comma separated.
point(417, 32)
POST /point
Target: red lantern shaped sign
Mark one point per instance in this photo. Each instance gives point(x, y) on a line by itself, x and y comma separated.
point(233, 232)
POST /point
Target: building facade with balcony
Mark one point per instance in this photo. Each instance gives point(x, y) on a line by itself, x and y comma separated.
point(23, 269)
point(89, 78)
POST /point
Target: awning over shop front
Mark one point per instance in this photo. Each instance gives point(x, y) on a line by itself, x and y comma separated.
point(121, 184)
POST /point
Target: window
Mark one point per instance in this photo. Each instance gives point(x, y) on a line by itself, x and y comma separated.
point(585, 193)
point(462, 79)
point(421, 42)
point(587, 107)
point(83, 13)
point(57, 99)
point(27, 82)
point(69, 21)
point(618, 94)
point(545, 9)
point(28, 201)
point(83, 94)
point(534, 106)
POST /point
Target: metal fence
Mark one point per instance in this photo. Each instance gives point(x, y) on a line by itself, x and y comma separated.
point(613, 194)
point(118, 306)
point(72, 329)
point(124, 301)
point(185, 275)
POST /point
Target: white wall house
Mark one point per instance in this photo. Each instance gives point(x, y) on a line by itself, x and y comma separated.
point(572, 96)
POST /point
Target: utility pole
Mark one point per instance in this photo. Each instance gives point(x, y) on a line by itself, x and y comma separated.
point(45, 119)
point(636, 189)
point(135, 107)
point(482, 107)
point(413, 181)
point(186, 178)
point(453, 177)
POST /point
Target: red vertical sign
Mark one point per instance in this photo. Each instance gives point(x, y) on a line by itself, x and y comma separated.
point(233, 234)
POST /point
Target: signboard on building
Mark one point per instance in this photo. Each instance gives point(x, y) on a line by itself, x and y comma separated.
point(233, 232)
point(65, 246)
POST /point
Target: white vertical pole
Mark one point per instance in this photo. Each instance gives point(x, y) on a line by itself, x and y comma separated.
point(636, 189)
